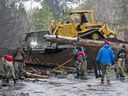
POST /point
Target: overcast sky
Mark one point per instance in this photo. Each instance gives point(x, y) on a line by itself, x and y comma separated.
point(31, 4)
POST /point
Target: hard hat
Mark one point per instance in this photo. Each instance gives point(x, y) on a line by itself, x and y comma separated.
point(106, 42)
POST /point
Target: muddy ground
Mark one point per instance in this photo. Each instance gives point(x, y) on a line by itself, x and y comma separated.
point(65, 86)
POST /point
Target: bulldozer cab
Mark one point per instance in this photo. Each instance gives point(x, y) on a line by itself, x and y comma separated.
point(83, 13)
point(85, 18)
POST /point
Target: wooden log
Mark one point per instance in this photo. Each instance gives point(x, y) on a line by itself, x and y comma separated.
point(31, 75)
point(82, 42)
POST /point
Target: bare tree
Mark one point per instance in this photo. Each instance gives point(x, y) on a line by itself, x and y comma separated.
point(13, 24)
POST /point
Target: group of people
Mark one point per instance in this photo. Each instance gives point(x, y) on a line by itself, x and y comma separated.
point(106, 60)
point(12, 66)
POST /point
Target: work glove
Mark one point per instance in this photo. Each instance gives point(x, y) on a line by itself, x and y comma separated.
point(116, 60)
point(113, 66)
point(97, 62)
point(113, 63)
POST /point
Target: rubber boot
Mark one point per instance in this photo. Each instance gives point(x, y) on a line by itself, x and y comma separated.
point(14, 80)
point(108, 82)
point(102, 82)
point(77, 74)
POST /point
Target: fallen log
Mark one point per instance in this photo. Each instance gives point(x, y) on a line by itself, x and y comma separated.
point(26, 74)
point(31, 75)
point(82, 42)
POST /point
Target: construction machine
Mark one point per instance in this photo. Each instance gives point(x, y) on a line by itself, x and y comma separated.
point(73, 27)
point(89, 28)
point(76, 26)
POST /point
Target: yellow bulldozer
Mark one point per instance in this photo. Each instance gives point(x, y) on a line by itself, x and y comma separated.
point(81, 24)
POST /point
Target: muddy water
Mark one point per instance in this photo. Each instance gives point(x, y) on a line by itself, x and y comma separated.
point(8, 89)
point(65, 87)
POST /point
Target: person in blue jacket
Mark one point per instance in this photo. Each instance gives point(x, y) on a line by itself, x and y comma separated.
point(106, 58)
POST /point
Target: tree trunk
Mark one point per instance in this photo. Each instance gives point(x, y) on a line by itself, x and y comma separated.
point(83, 42)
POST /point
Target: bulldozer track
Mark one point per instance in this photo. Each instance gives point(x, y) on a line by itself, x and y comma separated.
point(85, 34)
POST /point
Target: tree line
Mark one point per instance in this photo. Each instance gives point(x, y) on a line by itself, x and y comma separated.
point(15, 21)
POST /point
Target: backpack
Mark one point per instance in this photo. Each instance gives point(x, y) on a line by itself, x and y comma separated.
point(80, 56)
point(8, 57)
point(122, 53)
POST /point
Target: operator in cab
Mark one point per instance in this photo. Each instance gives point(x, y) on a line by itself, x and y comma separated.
point(83, 18)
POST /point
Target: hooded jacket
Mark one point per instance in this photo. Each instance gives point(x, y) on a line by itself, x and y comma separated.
point(105, 55)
